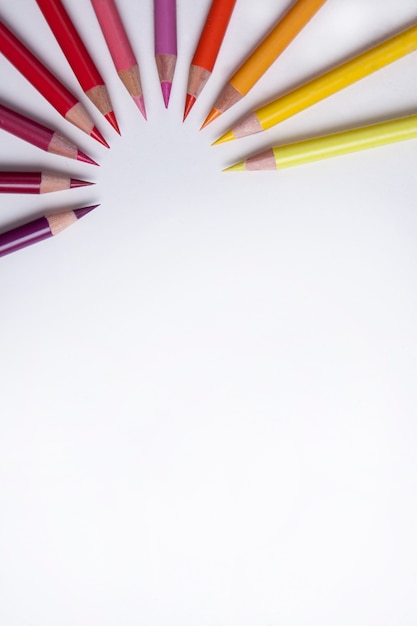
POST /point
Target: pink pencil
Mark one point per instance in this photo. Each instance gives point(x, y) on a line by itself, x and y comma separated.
point(165, 23)
point(120, 49)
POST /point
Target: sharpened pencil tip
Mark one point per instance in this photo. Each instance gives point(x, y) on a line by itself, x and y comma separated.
point(77, 182)
point(237, 167)
point(189, 103)
point(111, 118)
point(79, 213)
point(166, 91)
point(96, 134)
point(84, 158)
point(229, 136)
point(140, 103)
point(213, 115)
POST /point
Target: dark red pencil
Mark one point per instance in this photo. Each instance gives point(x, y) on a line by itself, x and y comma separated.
point(40, 136)
point(78, 57)
point(39, 229)
point(46, 83)
point(37, 182)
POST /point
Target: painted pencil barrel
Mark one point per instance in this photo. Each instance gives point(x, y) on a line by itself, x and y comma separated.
point(274, 43)
point(35, 72)
point(114, 33)
point(71, 43)
point(24, 236)
point(20, 182)
point(338, 78)
point(213, 33)
point(165, 14)
point(25, 128)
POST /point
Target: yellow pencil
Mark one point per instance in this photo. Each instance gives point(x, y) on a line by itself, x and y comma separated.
point(257, 63)
point(325, 85)
point(328, 146)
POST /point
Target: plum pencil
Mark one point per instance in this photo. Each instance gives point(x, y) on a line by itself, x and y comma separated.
point(165, 31)
point(324, 85)
point(326, 146)
point(46, 83)
point(40, 136)
point(37, 182)
point(263, 56)
point(207, 49)
point(120, 49)
point(39, 229)
point(78, 57)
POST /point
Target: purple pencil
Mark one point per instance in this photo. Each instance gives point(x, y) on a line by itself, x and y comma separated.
point(39, 229)
point(165, 23)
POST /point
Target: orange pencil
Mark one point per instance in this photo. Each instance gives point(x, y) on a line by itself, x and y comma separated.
point(268, 50)
point(207, 49)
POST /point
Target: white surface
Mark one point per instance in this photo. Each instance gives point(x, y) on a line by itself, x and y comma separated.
point(208, 386)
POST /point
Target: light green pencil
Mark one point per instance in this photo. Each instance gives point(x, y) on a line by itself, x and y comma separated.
point(328, 146)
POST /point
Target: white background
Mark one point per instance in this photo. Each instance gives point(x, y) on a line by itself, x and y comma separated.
point(208, 386)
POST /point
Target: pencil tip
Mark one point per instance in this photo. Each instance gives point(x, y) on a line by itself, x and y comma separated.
point(213, 115)
point(77, 182)
point(140, 103)
point(96, 134)
point(224, 138)
point(166, 87)
point(84, 158)
point(79, 213)
point(111, 118)
point(189, 103)
point(237, 167)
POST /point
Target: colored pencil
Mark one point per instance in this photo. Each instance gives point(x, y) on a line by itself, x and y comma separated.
point(40, 136)
point(46, 83)
point(327, 146)
point(165, 30)
point(325, 85)
point(78, 57)
point(207, 49)
point(264, 55)
point(37, 182)
point(120, 49)
point(39, 229)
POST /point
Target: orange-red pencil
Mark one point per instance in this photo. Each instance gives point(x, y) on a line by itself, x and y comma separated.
point(207, 49)
point(46, 83)
point(78, 57)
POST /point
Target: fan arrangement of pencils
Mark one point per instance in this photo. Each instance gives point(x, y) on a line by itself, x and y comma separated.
point(243, 79)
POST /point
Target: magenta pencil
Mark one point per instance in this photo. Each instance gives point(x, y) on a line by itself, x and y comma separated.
point(165, 26)
point(37, 182)
point(120, 49)
point(40, 136)
point(39, 229)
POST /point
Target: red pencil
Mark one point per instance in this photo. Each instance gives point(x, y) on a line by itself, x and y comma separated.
point(207, 49)
point(40, 136)
point(46, 83)
point(78, 57)
point(37, 182)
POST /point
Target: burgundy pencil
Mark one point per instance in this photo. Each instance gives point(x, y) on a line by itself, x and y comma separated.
point(165, 27)
point(46, 83)
point(120, 49)
point(37, 182)
point(39, 229)
point(40, 136)
point(78, 57)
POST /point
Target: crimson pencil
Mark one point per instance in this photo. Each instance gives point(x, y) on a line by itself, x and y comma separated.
point(37, 182)
point(46, 83)
point(78, 57)
point(40, 136)
point(39, 229)
point(165, 28)
point(207, 49)
point(120, 49)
